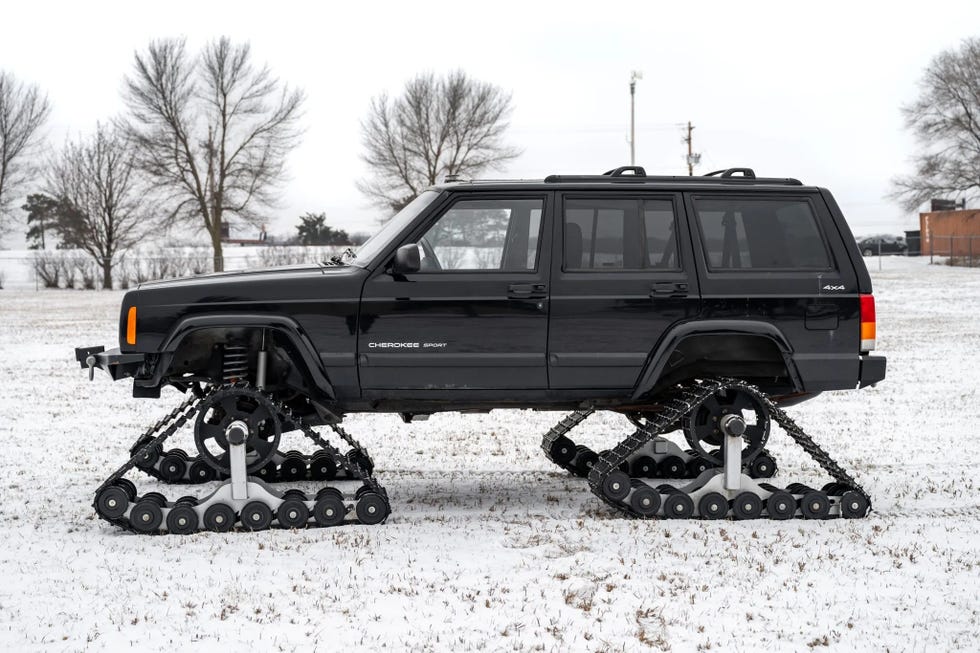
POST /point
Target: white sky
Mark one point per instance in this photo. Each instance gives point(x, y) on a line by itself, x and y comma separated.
point(808, 90)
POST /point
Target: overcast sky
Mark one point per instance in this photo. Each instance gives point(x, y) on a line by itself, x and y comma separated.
point(808, 90)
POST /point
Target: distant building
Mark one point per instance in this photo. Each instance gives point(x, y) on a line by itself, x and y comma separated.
point(260, 239)
point(951, 233)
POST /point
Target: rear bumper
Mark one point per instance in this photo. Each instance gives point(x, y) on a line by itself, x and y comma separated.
point(117, 364)
point(872, 370)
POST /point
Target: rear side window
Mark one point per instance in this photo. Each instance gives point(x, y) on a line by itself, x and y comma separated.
point(761, 234)
point(619, 234)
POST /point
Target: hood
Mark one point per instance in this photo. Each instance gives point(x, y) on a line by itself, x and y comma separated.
point(259, 274)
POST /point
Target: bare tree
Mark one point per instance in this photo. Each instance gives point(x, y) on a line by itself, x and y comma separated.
point(102, 197)
point(946, 122)
point(212, 131)
point(438, 127)
point(23, 110)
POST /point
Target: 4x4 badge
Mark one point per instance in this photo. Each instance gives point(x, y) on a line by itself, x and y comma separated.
point(830, 287)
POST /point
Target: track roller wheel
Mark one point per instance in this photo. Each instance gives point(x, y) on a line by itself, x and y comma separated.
point(201, 472)
point(672, 467)
point(678, 506)
point(781, 505)
point(293, 468)
point(329, 509)
point(293, 513)
point(746, 505)
point(189, 500)
point(644, 467)
point(146, 516)
point(156, 498)
point(256, 516)
point(645, 501)
point(584, 460)
point(562, 450)
point(295, 493)
point(128, 486)
point(182, 519)
point(149, 458)
point(713, 505)
point(371, 509)
point(173, 466)
point(331, 491)
point(616, 486)
point(220, 518)
point(762, 466)
point(112, 502)
point(267, 472)
point(854, 505)
point(696, 466)
point(357, 457)
point(358, 493)
point(323, 467)
point(815, 505)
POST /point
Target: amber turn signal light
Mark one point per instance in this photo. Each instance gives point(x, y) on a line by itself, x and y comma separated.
point(131, 326)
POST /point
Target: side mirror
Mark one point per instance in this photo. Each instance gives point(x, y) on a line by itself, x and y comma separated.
point(407, 260)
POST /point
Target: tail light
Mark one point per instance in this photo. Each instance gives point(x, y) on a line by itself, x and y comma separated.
point(867, 322)
point(131, 326)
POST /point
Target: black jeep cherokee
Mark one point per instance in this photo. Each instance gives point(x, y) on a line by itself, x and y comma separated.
point(704, 304)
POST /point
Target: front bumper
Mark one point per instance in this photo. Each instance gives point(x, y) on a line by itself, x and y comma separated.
point(872, 370)
point(117, 364)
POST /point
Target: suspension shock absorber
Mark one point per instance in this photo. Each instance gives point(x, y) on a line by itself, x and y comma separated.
point(234, 365)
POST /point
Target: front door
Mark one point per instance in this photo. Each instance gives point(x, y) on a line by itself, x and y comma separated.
point(624, 277)
point(476, 315)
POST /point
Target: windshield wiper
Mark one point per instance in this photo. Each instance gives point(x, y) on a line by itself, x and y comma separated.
point(338, 259)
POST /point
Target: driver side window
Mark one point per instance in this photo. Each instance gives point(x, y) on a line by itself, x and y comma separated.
point(491, 234)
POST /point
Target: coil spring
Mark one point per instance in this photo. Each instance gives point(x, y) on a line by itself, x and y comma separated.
point(234, 365)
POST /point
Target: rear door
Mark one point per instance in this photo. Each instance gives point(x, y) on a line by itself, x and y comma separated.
point(776, 257)
point(623, 275)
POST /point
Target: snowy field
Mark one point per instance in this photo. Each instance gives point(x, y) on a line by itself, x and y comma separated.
point(489, 547)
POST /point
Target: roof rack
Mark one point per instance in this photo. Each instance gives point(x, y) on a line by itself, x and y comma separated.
point(636, 174)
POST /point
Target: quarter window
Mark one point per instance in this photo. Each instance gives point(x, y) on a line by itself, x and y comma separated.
point(484, 235)
point(761, 234)
point(620, 234)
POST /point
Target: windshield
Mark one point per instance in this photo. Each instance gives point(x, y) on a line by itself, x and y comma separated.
point(376, 243)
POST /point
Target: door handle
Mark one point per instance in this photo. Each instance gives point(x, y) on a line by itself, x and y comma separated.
point(669, 289)
point(527, 291)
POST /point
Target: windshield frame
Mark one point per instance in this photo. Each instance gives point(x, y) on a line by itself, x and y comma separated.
point(377, 244)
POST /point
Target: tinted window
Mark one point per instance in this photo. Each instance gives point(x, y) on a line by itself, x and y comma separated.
point(484, 235)
point(761, 234)
point(630, 234)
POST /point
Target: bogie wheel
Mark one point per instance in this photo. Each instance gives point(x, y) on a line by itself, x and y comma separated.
point(356, 457)
point(713, 505)
point(854, 505)
point(815, 505)
point(323, 467)
point(616, 486)
point(329, 510)
point(149, 458)
point(173, 466)
point(585, 459)
point(371, 509)
point(562, 450)
point(146, 516)
point(672, 467)
point(293, 468)
point(256, 516)
point(182, 519)
point(220, 518)
point(645, 501)
point(644, 467)
point(746, 505)
point(697, 466)
point(201, 472)
point(128, 486)
point(112, 502)
point(293, 513)
point(678, 506)
point(228, 411)
point(763, 466)
point(781, 505)
point(702, 426)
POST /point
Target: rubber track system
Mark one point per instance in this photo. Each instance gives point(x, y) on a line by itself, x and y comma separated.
point(658, 458)
point(117, 499)
point(708, 496)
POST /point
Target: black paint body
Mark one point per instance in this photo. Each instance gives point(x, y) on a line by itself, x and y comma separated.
point(542, 338)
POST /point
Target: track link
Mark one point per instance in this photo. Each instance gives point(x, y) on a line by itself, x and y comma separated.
point(118, 501)
point(709, 496)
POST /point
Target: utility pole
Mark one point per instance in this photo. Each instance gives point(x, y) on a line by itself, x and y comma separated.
point(634, 75)
point(692, 158)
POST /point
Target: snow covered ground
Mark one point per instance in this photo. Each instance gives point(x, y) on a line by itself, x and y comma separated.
point(489, 547)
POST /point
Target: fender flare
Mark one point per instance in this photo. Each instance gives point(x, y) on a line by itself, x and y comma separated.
point(655, 366)
point(287, 326)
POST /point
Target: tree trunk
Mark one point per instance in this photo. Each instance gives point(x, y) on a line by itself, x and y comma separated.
point(219, 261)
point(107, 275)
